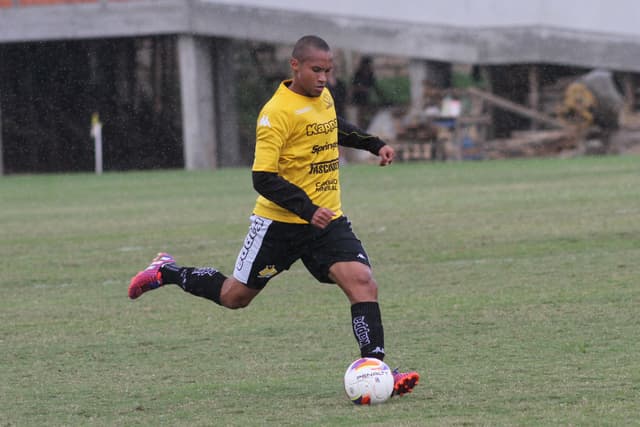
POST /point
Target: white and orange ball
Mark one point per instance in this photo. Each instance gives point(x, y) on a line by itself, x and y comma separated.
point(368, 381)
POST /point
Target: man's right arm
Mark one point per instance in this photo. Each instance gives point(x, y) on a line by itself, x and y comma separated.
point(283, 193)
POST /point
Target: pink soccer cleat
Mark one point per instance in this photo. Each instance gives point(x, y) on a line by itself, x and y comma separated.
point(404, 382)
point(149, 278)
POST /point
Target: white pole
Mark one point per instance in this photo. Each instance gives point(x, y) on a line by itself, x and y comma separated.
point(1, 162)
point(96, 134)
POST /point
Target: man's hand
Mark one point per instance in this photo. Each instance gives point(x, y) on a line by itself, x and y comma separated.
point(386, 153)
point(322, 217)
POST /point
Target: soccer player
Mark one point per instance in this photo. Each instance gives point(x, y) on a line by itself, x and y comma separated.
point(297, 214)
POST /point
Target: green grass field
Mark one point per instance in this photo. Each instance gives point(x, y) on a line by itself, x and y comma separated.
point(511, 286)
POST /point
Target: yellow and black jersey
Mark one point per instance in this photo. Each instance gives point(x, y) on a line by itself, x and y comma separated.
point(296, 165)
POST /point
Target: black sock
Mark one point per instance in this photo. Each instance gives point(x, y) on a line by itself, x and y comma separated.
point(202, 282)
point(367, 328)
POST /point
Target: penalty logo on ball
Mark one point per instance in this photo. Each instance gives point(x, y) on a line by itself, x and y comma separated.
point(368, 381)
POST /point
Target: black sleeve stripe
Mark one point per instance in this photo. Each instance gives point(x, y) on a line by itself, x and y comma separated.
point(350, 135)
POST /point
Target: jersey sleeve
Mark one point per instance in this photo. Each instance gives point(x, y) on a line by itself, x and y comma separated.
point(284, 194)
point(271, 133)
point(350, 135)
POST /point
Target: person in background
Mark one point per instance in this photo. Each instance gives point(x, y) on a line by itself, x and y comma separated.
point(362, 85)
point(338, 91)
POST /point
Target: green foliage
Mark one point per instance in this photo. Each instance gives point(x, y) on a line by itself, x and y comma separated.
point(510, 286)
point(464, 80)
point(395, 91)
point(465, 77)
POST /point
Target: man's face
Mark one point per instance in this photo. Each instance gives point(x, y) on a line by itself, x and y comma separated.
point(311, 74)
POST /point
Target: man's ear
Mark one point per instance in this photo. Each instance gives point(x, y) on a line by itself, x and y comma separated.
point(294, 64)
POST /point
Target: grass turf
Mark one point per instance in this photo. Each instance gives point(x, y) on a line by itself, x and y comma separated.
point(511, 286)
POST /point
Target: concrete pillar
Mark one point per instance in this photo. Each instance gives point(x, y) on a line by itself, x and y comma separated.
point(198, 106)
point(229, 153)
point(417, 76)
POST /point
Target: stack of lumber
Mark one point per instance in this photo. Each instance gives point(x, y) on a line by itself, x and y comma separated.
point(541, 143)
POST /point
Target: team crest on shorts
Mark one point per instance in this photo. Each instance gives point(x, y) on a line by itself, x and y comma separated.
point(268, 272)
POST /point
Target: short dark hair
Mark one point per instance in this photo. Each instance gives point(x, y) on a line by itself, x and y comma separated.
point(302, 47)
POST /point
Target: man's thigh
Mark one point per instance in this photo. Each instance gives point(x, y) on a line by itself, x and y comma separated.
point(337, 243)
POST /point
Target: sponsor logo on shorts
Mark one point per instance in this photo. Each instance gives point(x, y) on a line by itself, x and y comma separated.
point(254, 231)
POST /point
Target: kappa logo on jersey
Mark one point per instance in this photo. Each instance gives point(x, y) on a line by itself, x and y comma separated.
point(268, 272)
point(320, 128)
point(264, 121)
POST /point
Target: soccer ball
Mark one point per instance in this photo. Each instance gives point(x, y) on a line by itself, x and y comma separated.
point(368, 381)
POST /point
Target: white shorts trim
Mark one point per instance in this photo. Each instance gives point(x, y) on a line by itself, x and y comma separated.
point(251, 247)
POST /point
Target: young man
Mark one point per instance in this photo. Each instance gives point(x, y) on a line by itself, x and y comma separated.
point(298, 213)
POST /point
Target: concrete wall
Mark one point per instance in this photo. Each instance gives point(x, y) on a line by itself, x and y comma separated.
point(589, 33)
point(593, 16)
point(98, 19)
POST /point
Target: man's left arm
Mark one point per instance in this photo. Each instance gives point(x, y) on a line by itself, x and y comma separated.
point(350, 135)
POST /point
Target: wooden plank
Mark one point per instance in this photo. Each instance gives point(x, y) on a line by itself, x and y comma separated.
point(513, 107)
point(534, 91)
point(629, 88)
point(482, 119)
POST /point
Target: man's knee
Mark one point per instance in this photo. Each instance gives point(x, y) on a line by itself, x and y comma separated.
point(235, 302)
point(356, 280)
point(364, 277)
point(354, 273)
point(236, 294)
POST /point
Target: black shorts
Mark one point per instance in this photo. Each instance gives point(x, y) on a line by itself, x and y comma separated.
point(271, 247)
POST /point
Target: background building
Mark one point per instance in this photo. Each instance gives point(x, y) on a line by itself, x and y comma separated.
point(163, 74)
